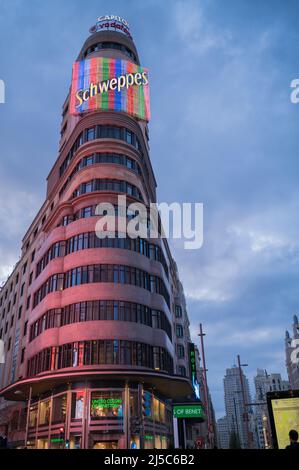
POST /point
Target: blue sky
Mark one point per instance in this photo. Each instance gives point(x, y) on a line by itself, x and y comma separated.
point(223, 132)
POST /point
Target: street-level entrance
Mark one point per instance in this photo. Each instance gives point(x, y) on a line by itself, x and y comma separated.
point(105, 445)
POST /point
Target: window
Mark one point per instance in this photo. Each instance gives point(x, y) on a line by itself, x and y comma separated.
point(90, 134)
point(20, 312)
point(33, 416)
point(28, 302)
point(22, 289)
point(22, 355)
point(179, 331)
point(102, 131)
point(178, 311)
point(101, 310)
point(30, 278)
point(110, 45)
point(180, 351)
point(77, 405)
point(59, 409)
point(32, 256)
point(129, 137)
point(24, 268)
point(106, 405)
point(107, 185)
point(25, 328)
point(44, 412)
point(9, 344)
point(102, 352)
point(101, 273)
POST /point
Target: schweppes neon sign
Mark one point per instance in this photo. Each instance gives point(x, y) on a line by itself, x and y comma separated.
point(102, 83)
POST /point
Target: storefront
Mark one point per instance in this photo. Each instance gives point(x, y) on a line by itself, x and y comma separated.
point(100, 418)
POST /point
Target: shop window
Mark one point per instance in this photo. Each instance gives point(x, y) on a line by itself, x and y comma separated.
point(134, 406)
point(59, 409)
point(106, 405)
point(75, 442)
point(44, 413)
point(77, 405)
point(33, 416)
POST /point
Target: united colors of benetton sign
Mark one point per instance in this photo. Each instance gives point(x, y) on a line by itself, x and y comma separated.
point(188, 411)
point(102, 83)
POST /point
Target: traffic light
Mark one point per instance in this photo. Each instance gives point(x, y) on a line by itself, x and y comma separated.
point(61, 433)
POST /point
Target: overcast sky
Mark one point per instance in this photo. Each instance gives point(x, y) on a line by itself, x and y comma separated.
point(223, 132)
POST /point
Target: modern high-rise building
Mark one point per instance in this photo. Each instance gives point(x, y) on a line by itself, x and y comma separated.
point(223, 433)
point(95, 329)
point(236, 412)
point(292, 356)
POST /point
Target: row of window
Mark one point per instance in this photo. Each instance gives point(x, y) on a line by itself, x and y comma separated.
point(89, 240)
point(103, 404)
point(110, 45)
point(101, 310)
point(100, 352)
point(96, 158)
point(101, 132)
point(118, 186)
point(90, 211)
point(114, 273)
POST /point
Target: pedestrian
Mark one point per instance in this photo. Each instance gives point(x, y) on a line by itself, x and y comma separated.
point(294, 444)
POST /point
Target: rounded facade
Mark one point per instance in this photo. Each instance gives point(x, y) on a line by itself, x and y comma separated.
point(100, 354)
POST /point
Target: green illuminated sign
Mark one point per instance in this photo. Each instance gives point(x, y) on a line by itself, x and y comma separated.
point(106, 402)
point(188, 411)
point(149, 438)
point(56, 439)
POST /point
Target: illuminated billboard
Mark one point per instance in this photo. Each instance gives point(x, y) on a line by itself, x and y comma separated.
point(106, 84)
point(285, 412)
point(111, 23)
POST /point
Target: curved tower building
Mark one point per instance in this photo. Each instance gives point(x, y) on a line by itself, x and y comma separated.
point(95, 328)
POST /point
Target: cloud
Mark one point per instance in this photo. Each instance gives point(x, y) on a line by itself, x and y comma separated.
point(195, 31)
point(17, 210)
point(223, 133)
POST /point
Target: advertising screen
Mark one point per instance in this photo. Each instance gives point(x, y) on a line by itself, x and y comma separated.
point(106, 84)
point(286, 417)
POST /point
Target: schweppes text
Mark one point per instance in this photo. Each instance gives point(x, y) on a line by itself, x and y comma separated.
point(123, 81)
